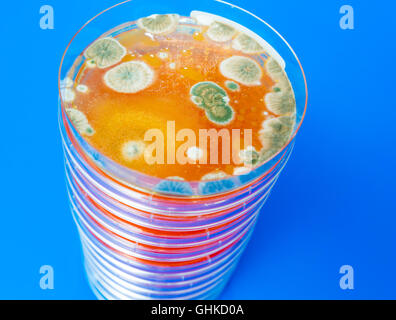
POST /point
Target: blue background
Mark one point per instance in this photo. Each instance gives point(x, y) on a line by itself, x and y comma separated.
point(334, 204)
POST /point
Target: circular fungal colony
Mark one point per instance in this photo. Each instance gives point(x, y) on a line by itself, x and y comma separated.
point(247, 44)
point(131, 150)
point(159, 24)
point(212, 98)
point(129, 77)
point(242, 69)
point(170, 69)
point(105, 52)
point(220, 32)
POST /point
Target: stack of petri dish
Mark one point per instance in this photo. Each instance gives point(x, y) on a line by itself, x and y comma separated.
point(150, 238)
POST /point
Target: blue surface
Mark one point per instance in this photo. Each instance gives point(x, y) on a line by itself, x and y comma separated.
point(334, 204)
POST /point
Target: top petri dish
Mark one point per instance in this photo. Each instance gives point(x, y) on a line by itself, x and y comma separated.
point(129, 48)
